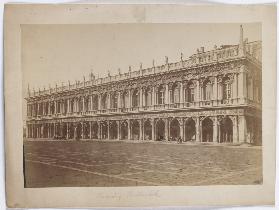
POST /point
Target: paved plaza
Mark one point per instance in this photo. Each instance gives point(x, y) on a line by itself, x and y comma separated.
point(111, 164)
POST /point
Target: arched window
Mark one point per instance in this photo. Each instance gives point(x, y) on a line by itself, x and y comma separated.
point(161, 94)
point(135, 98)
point(125, 99)
point(58, 106)
point(190, 92)
point(104, 101)
point(227, 93)
point(207, 90)
point(148, 97)
point(114, 100)
point(95, 102)
point(174, 93)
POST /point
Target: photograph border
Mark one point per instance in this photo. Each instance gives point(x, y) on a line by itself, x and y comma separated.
point(18, 196)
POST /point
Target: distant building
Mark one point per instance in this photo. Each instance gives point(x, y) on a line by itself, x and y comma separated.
point(213, 96)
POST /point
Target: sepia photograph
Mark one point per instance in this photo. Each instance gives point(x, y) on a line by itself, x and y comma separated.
point(101, 112)
point(139, 105)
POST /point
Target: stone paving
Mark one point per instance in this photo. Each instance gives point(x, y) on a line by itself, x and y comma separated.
point(111, 163)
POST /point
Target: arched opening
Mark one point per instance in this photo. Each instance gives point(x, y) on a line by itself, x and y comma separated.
point(51, 108)
point(226, 127)
point(95, 102)
point(80, 104)
point(160, 130)
point(161, 95)
point(46, 108)
point(207, 130)
point(104, 101)
point(113, 130)
point(45, 131)
point(65, 107)
point(227, 93)
point(86, 130)
point(135, 98)
point(86, 104)
point(104, 130)
point(114, 99)
point(174, 129)
point(174, 93)
point(58, 130)
point(135, 130)
point(190, 130)
point(125, 99)
point(71, 131)
point(207, 90)
point(51, 130)
point(94, 130)
point(72, 102)
point(64, 131)
point(147, 130)
point(148, 97)
point(190, 92)
point(79, 131)
point(124, 130)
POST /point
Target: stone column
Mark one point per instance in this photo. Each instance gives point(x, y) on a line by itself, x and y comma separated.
point(215, 129)
point(215, 89)
point(235, 129)
point(82, 130)
point(118, 129)
point(235, 95)
point(140, 129)
point(99, 130)
point(166, 129)
point(67, 131)
point(167, 100)
point(129, 129)
point(55, 107)
point(197, 91)
point(91, 103)
point(153, 129)
point(119, 100)
point(181, 94)
point(153, 96)
point(198, 130)
point(83, 105)
point(109, 105)
point(130, 99)
point(242, 129)
point(90, 130)
point(108, 134)
point(242, 92)
point(140, 100)
point(99, 101)
point(75, 131)
point(181, 128)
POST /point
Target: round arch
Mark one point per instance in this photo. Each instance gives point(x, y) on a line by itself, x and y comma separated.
point(226, 130)
point(86, 130)
point(135, 130)
point(79, 131)
point(94, 130)
point(104, 130)
point(190, 130)
point(113, 130)
point(207, 130)
point(71, 131)
point(147, 130)
point(124, 130)
point(160, 130)
point(174, 129)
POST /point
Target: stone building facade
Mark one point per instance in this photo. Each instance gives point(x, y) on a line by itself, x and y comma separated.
point(213, 96)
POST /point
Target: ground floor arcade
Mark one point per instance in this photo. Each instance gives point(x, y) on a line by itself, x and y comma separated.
point(216, 128)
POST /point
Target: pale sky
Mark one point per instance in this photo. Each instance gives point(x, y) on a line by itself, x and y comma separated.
point(58, 53)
